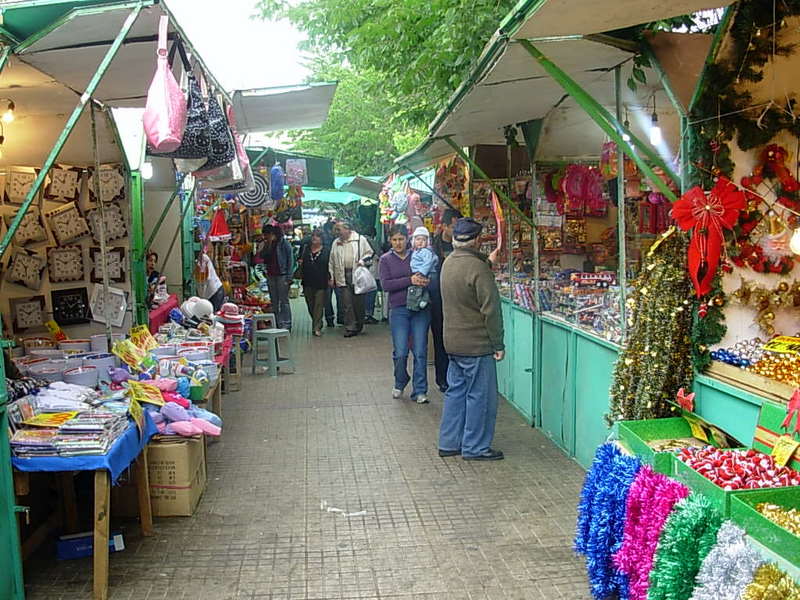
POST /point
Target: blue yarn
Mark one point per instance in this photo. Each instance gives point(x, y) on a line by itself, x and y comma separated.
point(601, 519)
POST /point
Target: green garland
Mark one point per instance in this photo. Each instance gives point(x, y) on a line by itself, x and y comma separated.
point(688, 536)
point(655, 361)
point(709, 329)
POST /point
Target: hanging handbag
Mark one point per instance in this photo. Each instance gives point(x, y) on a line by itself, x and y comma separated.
point(195, 137)
point(221, 149)
point(164, 116)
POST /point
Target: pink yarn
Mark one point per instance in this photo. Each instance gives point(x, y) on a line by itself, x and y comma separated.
point(650, 501)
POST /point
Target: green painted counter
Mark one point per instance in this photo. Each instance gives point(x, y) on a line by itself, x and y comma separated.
point(11, 586)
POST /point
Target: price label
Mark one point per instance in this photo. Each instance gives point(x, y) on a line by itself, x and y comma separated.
point(783, 449)
point(142, 338)
point(783, 344)
point(698, 431)
point(137, 414)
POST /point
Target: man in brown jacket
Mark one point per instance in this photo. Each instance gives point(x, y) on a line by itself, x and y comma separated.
point(473, 338)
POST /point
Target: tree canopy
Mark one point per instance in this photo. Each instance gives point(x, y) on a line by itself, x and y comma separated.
point(397, 61)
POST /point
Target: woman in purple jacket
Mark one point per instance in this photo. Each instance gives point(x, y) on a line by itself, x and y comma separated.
point(409, 328)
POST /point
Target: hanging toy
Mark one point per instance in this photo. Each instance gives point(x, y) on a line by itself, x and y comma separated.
point(277, 182)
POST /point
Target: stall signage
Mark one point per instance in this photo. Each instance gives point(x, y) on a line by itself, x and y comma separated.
point(783, 344)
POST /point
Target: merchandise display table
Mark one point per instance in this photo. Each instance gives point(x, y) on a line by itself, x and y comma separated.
point(160, 315)
point(127, 450)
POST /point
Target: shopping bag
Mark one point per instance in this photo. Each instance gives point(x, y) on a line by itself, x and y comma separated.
point(363, 281)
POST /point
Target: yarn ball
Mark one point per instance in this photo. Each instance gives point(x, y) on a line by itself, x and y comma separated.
point(650, 501)
point(601, 519)
point(729, 567)
point(771, 583)
point(688, 536)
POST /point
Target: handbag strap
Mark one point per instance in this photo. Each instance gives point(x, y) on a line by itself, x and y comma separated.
point(163, 25)
point(178, 45)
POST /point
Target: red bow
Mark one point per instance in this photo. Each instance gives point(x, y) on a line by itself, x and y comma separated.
point(706, 216)
point(685, 401)
point(791, 410)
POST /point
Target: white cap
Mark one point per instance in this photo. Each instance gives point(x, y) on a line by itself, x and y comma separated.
point(421, 231)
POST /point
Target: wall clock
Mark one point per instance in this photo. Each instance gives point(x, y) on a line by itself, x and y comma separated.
point(116, 299)
point(66, 263)
point(112, 183)
point(19, 181)
point(26, 269)
point(71, 306)
point(116, 227)
point(65, 184)
point(67, 223)
point(31, 228)
point(115, 260)
point(27, 313)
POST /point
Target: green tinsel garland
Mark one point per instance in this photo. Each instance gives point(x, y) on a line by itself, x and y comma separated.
point(708, 330)
point(656, 360)
point(688, 536)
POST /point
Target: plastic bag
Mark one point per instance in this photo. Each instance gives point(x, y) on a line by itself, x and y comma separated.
point(363, 281)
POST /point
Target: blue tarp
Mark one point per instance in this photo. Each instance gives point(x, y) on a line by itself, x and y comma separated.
point(124, 451)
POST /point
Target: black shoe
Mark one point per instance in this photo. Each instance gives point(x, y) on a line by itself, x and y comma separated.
point(443, 388)
point(445, 453)
point(371, 321)
point(488, 455)
point(350, 334)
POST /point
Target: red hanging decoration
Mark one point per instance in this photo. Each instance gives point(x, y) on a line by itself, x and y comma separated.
point(219, 231)
point(706, 216)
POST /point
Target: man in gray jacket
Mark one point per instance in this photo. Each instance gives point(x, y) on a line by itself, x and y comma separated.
point(473, 338)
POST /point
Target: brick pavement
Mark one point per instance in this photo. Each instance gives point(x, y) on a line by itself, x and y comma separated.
point(432, 528)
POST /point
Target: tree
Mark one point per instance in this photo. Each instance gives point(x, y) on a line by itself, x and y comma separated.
point(365, 129)
point(423, 49)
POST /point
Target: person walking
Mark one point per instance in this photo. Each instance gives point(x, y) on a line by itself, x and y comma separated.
point(473, 337)
point(328, 238)
point(315, 270)
point(442, 245)
point(409, 328)
point(349, 251)
point(276, 253)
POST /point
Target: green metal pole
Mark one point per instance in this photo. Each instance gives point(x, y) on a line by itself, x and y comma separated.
point(427, 185)
point(606, 121)
point(138, 273)
point(164, 212)
point(4, 57)
point(500, 193)
point(719, 35)
point(622, 248)
point(10, 527)
point(70, 125)
point(187, 245)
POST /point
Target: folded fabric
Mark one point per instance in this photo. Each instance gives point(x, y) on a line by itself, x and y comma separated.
point(206, 427)
point(157, 417)
point(162, 427)
point(174, 412)
point(176, 398)
point(164, 384)
point(184, 386)
point(184, 428)
point(206, 415)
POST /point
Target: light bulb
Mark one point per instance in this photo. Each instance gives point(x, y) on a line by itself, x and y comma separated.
point(626, 137)
point(655, 131)
point(8, 116)
point(147, 170)
point(794, 243)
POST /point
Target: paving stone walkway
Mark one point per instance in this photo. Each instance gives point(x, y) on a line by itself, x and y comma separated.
point(331, 435)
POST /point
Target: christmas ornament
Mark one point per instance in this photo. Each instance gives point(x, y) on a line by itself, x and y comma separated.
point(707, 216)
point(788, 518)
point(784, 295)
point(688, 536)
point(738, 469)
point(219, 231)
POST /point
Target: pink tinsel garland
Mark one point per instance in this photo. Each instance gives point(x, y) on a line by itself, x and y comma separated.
point(650, 501)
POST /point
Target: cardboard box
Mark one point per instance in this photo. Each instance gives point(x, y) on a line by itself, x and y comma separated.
point(177, 472)
point(177, 468)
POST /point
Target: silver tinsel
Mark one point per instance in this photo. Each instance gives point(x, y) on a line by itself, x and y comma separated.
point(728, 568)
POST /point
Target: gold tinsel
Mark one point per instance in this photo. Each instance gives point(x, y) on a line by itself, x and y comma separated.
point(770, 583)
point(789, 519)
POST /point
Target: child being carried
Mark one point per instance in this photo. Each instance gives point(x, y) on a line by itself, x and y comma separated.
point(423, 262)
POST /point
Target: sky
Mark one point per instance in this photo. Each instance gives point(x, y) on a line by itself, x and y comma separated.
point(241, 52)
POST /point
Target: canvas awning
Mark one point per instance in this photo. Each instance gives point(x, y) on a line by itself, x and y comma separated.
point(273, 109)
point(363, 186)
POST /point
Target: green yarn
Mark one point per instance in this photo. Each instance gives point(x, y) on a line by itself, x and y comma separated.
point(688, 536)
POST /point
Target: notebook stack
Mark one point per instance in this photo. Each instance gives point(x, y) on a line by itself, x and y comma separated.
point(27, 443)
point(90, 433)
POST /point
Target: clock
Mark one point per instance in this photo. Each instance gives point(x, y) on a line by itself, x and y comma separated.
point(71, 306)
point(26, 269)
point(115, 260)
point(117, 301)
point(19, 181)
point(67, 223)
point(112, 184)
point(116, 227)
point(66, 263)
point(27, 313)
point(65, 184)
point(31, 228)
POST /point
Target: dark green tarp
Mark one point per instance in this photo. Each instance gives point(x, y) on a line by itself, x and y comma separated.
point(320, 170)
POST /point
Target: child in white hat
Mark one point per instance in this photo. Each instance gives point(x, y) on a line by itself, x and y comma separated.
point(423, 262)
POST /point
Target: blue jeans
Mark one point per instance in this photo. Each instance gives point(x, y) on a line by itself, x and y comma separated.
point(407, 324)
point(369, 302)
point(470, 405)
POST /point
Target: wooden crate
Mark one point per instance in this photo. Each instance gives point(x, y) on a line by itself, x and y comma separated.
point(750, 382)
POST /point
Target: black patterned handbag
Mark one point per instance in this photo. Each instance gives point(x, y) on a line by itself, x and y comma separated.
point(221, 149)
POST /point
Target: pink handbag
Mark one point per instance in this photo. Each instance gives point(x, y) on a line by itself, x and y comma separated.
point(165, 112)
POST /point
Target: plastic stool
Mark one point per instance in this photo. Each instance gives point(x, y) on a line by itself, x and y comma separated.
point(268, 318)
point(269, 338)
point(232, 380)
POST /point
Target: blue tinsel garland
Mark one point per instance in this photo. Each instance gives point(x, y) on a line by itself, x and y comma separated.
point(601, 519)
